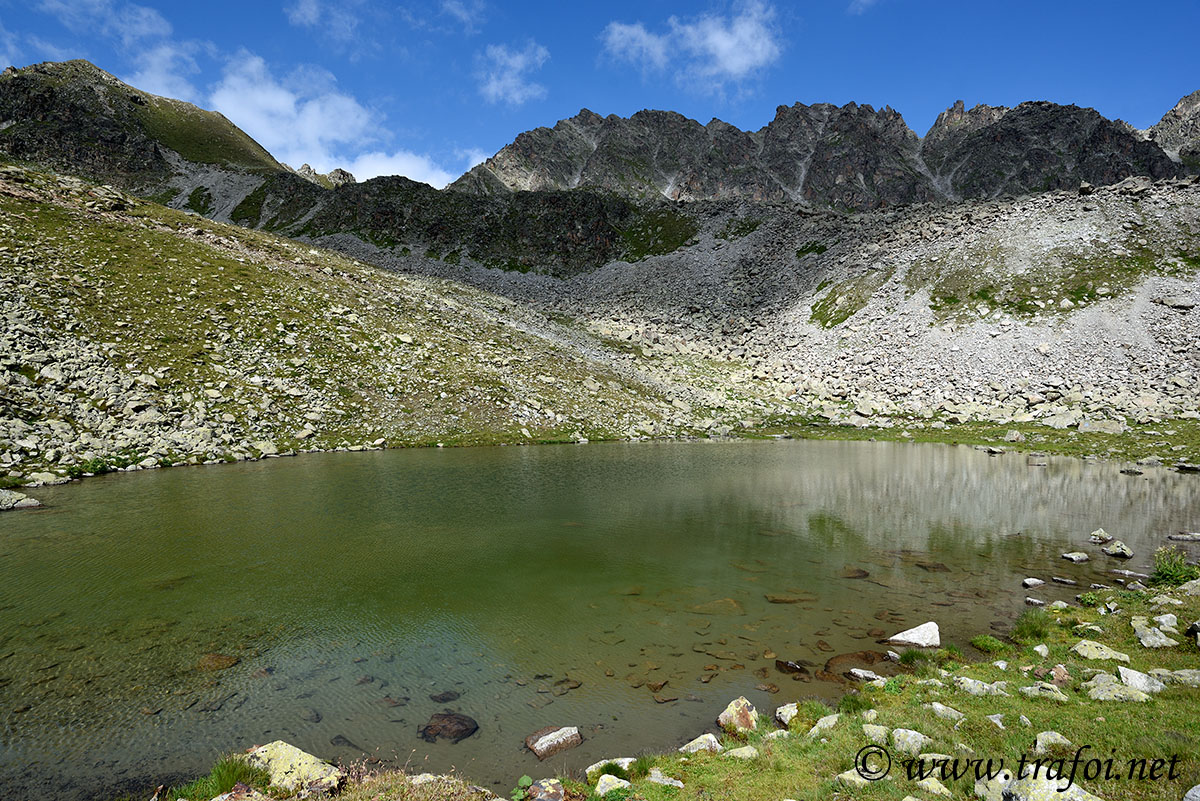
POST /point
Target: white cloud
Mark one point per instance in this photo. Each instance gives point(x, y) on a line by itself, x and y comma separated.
point(635, 44)
point(503, 73)
point(337, 19)
point(161, 70)
point(305, 119)
point(403, 162)
point(129, 22)
point(860, 6)
point(10, 54)
point(470, 13)
point(706, 52)
point(472, 156)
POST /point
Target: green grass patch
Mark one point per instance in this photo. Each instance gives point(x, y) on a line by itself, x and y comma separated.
point(1032, 626)
point(225, 774)
point(738, 228)
point(988, 644)
point(249, 211)
point(843, 300)
point(657, 233)
point(811, 247)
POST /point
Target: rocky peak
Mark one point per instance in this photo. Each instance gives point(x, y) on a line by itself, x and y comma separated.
point(1178, 132)
point(330, 180)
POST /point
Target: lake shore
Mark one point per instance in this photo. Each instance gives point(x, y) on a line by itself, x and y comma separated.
point(1075, 687)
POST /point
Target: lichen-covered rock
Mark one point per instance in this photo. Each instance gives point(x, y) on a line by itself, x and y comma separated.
point(1036, 785)
point(656, 776)
point(745, 752)
point(1089, 649)
point(608, 783)
point(876, 734)
point(739, 716)
point(909, 741)
point(705, 742)
point(241, 792)
point(1118, 549)
point(547, 790)
point(11, 499)
point(1105, 687)
point(1076, 557)
point(1047, 740)
point(785, 714)
point(977, 687)
point(1140, 681)
point(1150, 636)
point(1045, 690)
point(934, 787)
point(547, 742)
point(824, 724)
point(851, 778)
point(296, 771)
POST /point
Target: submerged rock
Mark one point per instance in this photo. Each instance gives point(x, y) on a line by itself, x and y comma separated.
point(547, 742)
point(296, 771)
point(211, 662)
point(448, 725)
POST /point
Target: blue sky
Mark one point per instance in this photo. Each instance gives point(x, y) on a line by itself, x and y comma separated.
point(426, 89)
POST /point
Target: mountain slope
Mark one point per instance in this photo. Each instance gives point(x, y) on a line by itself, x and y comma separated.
point(850, 157)
point(1178, 132)
point(76, 117)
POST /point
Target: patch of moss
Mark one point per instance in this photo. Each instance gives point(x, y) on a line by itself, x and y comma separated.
point(657, 233)
point(738, 228)
point(200, 201)
point(811, 247)
point(844, 300)
point(249, 211)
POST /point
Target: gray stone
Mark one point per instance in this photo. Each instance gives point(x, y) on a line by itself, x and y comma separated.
point(1118, 549)
point(705, 742)
point(608, 783)
point(656, 776)
point(1140, 681)
point(1105, 687)
point(909, 741)
point(1076, 556)
point(1089, 649)
point(745, 752)
point(925, 635)
point(10, 499)
point(1045, 690)
point(1048, 739)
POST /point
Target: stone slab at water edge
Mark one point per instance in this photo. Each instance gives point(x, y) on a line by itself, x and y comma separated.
point(926, 635)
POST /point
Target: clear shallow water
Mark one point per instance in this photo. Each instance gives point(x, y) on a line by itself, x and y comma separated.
point(352, 587)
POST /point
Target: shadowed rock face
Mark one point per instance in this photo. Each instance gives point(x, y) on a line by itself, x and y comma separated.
point(850, 157)
point(76, 117)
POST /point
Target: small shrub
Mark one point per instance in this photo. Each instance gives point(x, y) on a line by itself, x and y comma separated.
point(1033, 624)
point(641, 766)
point(1171, 568)
point(613, 769)
point(915, 657)
point(949, 652)
point(522, 789)
point(852, 703)
point(1089, 599)
point(225, 774)
point(893, 686)
point(988, 644)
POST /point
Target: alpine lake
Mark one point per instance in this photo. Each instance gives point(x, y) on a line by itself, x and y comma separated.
point(150, 622)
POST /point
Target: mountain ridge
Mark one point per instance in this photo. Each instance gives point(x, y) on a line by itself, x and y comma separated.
point(850, 157)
